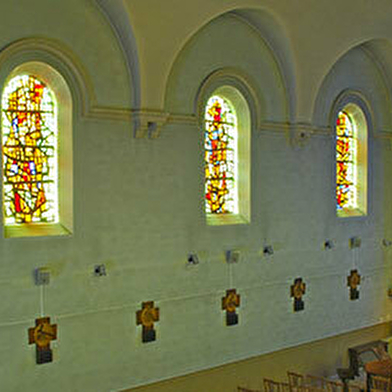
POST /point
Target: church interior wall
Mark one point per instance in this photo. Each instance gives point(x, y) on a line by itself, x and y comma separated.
point(139, 208)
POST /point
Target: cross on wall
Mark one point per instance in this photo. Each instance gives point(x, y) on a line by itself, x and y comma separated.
point(353, 281)
point(297, 291)
point(146, 317)
point(42, 335)
point(230, 302)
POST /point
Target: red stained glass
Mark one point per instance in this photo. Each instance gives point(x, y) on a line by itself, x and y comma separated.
point(220, 157)
point(29, 125)
point(345, 162)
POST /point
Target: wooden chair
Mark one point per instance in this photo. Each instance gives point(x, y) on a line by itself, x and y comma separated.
point(352, 387)
point(315, 382)
point(379, 384)
point(296, 382)
point(271, 385)
point(334, 386)
point(284, 387)
point(275, 386)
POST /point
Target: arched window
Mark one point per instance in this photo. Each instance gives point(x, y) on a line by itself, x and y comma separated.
point(221, 161)
point(351, 161)
point(30, 152)
point(36, 120)
point(227, 157)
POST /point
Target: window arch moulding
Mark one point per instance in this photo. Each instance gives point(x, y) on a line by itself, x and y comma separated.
point(225, 115)
point(350, 123)
point(36, 152)
point(60, 57)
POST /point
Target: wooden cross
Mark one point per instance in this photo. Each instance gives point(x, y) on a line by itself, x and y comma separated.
point(297, 290)
point(353, 281)
point(41, 335)
point(230, 303)
point(146, 317)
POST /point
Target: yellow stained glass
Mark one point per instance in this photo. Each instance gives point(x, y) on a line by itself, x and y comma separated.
point(346, 176)
point(29, 126)
point(220, 146)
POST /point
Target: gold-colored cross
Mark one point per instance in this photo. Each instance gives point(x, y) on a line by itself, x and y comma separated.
point(353, 281)
point(41, 335)
point(230, 302)
point(297, 290)
point(146, 317)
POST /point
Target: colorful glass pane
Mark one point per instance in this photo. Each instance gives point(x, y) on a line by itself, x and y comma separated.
point(29, 126)
point(220, 146)
point(346, 147)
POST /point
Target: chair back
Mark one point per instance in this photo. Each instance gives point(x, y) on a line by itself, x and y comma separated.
point(284, 387)
point(271, 385)
point(334, 386)
point(355, 387)
point(296, 382)
point(379, 384)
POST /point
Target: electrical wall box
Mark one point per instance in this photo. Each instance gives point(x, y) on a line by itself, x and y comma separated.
point(386, 242)
point(329, 244)
point(193, 259)
point(42, 276)
point(268, 250)
point(100, 270)
point(355, 242)
point(232, 256)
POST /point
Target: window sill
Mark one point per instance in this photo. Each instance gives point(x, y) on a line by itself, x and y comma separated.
point(348, 213)
point(36, 230)
point(226, 219)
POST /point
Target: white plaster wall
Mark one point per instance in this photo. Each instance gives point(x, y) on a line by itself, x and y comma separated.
point(357, 70)
point(79, 27)
point(246, 52)
point(139, 210)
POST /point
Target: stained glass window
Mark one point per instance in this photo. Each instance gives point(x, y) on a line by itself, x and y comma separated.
point(346, 165)
point(220, 146)
point(29, 132)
